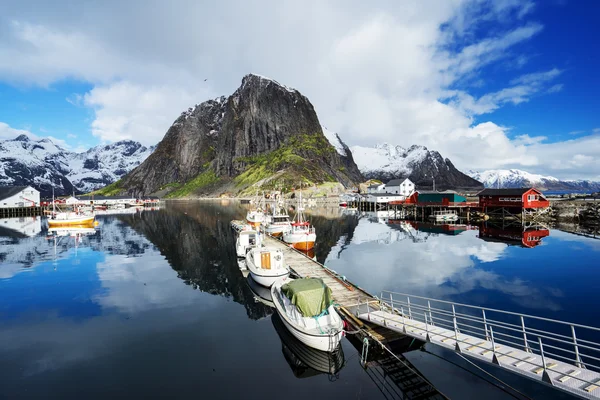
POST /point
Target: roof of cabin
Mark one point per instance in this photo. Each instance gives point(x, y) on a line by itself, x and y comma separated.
point(9, 191)
point(504, 192)
point(106, 198)
point(396, 182)
point(385, 195)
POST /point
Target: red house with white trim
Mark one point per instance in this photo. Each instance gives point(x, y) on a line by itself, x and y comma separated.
point(523, 198)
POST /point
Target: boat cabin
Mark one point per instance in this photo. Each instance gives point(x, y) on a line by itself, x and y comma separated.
point(267, 258)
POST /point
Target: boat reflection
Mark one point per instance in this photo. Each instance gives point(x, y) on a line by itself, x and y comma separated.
point(515, 234)
point(260, 292)
point(309, 253)
point(303, 360)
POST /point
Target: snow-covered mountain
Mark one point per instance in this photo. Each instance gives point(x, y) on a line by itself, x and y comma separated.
point(385, 162)
point(44, 165)
point(514, 178)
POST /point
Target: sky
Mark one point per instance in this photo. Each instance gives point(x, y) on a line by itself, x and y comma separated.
point(488, 84)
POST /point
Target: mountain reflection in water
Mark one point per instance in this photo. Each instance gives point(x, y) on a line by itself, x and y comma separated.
point(152, 303)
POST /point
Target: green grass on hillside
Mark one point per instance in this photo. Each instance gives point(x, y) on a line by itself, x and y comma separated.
point(110, 190)
point(290, 156)
point(204, 179)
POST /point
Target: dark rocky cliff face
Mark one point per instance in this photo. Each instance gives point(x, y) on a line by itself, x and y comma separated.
point(263, 129)
point(187, 149)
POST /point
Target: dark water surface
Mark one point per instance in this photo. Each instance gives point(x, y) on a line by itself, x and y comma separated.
point(153, 304)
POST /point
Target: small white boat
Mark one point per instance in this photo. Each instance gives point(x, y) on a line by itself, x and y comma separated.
point(277, 223)
point(255, 217)
point(306, 309)
point(266, 265)
point(444, 215)
point(247, 239)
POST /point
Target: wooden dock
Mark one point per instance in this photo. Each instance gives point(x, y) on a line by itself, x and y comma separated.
point(562, 362)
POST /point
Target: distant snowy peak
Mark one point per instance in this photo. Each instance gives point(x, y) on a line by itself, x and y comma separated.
point(45, 166)
point(388, 158)
point(386, 161)
point(509, 178)
point(514, 178)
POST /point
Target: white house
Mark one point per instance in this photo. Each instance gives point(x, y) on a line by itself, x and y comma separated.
point(376, 188)
point(383, 197)
point(71, 200)
point(403, 187)
point(19, 196)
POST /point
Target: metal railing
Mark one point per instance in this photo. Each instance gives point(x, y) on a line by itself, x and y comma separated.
point(566, 342)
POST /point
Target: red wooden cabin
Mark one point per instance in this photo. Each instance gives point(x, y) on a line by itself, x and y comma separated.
point(513, 198)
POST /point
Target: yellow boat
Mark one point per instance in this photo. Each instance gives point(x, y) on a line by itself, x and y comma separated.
point(75, 220)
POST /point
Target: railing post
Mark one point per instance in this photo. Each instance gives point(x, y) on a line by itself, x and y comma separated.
point(368, 310)
point(426, 328)
point(545, 376)
point(429, 308)
point(392, 302)
point(485, 325)
point(494, 357)
point(527, 348)
point(456, 345)
point(409, 311)
point(577, 358)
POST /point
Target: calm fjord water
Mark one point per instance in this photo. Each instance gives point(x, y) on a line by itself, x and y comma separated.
point(152, 304)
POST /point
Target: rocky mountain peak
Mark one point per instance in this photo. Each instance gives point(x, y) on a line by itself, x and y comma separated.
point(386, 162)
point(264, 128)
point(21, 138)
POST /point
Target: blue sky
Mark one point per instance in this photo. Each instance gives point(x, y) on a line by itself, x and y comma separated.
point(502, 84)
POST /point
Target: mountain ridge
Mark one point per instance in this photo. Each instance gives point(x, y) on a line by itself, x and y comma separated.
point(385, 162)
point(513, 178)
point(46, 166)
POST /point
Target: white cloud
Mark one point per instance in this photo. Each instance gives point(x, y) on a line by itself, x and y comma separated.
point(386, 73)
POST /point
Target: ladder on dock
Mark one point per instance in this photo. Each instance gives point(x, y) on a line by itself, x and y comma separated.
point(546, 350)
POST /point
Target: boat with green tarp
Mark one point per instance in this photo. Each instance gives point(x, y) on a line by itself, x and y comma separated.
point(306, 309)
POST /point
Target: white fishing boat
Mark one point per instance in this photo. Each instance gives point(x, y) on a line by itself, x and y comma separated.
point(266, 265)
point(257, 216)
point(277, 223)
point(302, 236)
point(247, 239)
point(444, 215)
point(306, 309)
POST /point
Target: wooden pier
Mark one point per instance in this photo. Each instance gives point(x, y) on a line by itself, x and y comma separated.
point(562, 362)
point(12, 212)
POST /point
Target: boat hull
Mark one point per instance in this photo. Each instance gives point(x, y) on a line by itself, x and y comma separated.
point(82, 221)
point(277, 230)
point(254, 224)
point(266, 280)
point(300, 241)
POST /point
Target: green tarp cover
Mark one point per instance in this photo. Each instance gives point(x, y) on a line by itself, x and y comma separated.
point(310, 295)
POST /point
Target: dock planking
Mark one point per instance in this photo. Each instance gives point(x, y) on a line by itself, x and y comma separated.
point(344, 293)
